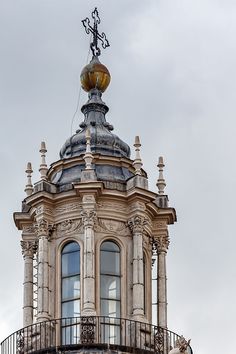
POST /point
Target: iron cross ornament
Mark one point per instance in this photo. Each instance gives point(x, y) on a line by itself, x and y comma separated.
point(96, 35)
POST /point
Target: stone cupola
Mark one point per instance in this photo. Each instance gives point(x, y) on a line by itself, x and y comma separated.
point(91, 230)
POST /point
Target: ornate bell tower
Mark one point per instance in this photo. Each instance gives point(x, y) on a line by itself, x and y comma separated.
point(91, 231)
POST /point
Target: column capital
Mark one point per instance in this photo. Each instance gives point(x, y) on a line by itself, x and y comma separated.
point(161, 243)
point(43, 228)
point(29, 248)
point(89, 217)
point(137, 223)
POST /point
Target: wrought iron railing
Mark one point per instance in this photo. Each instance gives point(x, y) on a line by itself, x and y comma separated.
point(95, 332)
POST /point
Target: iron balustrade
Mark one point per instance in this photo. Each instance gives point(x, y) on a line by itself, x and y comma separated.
point(91, 332)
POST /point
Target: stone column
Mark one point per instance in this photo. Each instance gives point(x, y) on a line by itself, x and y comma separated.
point(28, 250)
point(42, 230)
point(162, 243)
point(88, 218)
point(136, 225)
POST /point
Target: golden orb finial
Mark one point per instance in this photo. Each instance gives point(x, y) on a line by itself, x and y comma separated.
point(95, 75)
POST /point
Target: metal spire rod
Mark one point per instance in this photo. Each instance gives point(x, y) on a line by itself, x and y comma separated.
point(96, 35)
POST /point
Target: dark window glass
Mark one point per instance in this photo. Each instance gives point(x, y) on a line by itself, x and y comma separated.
point(110, 262)
point(70, 280)
point(71, 287)
point(70, 263)
point(110, 279)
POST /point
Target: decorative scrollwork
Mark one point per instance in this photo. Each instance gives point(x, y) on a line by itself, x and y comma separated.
point(96, 35)
point(29, 248)
point(160, 244)
point(20, 343)
point(137, 224)
point(89, 217)
point(87, 329)
point(43, 228)
point(182, 344)
point(159, 340)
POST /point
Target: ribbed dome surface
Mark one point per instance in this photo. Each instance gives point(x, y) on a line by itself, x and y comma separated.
point(103, 141)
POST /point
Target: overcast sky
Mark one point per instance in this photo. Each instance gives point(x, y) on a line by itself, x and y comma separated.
point(173, 83)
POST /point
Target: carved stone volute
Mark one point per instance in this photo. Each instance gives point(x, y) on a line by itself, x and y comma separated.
point(43, 228)
point(161, 243)
point(29, 248)
point(137, 224)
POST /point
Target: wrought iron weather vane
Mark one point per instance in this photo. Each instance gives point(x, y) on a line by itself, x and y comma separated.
point(96, 35)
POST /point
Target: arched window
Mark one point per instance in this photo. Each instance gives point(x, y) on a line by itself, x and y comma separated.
point(110, 293)
point(70, 290)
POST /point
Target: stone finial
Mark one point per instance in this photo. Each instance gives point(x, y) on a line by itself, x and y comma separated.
point(43, 169)
point(88, 157)
point(161, 183)
point(29, 187)
point(137, 161)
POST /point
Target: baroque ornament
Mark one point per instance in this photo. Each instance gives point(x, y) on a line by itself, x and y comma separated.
point(182, 344)
point(29, 229)
point(112, 226)
point(112, 206)
point(137, 224)
point(68, 226)
point(29, 248)
point(66, 208)
point(89, 217)
point(161, 243)
point(42, 209)
point(43, 228)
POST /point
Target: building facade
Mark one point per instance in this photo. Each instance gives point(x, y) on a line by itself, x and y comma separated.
point(94, 243)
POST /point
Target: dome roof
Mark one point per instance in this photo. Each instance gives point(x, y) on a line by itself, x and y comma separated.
point(103, 141)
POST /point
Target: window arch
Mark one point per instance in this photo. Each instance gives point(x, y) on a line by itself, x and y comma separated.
point(70, 290)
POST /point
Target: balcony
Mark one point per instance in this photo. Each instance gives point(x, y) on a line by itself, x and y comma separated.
point(91, 333)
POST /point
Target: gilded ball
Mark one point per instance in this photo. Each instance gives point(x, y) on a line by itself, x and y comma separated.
point(95, 75)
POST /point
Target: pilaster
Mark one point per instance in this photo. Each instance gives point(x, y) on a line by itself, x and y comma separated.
point(42, 229)
point(89, 217)
point(29, 248)
point(137, 224)
point(162, 244)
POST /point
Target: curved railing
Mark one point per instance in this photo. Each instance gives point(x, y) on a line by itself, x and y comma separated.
point(91, 332)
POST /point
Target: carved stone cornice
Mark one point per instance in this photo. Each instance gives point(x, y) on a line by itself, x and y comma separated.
point(43, 228)
point(29, 248)
point(137, 224)
point(161, 243)
point(89, 218)
point(28, 229)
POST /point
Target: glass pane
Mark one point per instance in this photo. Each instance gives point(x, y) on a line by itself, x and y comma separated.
point(71, 308)
point(110, 334)
point(70, 263)
point(110, 287)
point(71, 288)
point(70, 335)
point(110, 246)
point(110, 263)
point(71, 247)
point(110, 308)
